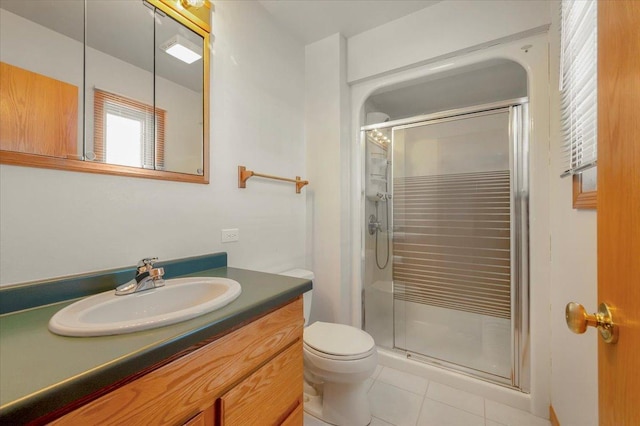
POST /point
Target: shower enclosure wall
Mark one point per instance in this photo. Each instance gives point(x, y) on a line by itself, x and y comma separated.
point(445, 270)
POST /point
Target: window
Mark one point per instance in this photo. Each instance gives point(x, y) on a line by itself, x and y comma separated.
point(127, 132)
point(578, 88)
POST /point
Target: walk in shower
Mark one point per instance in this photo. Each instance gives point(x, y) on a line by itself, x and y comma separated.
point(446, 239)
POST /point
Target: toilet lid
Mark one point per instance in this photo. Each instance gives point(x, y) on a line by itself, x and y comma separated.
point(337, 339)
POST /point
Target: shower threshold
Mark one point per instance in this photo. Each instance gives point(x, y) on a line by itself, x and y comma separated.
point(456, 368)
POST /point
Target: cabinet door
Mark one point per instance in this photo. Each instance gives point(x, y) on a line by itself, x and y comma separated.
point(296, 418)
point(39, 114)
point(269, 395)
point(203, 418)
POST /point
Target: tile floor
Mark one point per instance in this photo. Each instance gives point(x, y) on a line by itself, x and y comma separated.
point(401, 399)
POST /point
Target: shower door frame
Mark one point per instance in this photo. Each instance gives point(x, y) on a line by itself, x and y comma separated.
point(519, 168)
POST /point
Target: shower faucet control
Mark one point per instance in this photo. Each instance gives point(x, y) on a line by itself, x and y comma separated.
point(373, 225)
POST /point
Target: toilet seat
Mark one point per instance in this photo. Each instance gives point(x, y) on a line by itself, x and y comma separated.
point(338, 341)
point(325, 355)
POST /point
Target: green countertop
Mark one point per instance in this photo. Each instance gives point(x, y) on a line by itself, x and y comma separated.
point(41, 372)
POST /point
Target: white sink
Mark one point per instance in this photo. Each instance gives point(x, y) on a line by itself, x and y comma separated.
point(180, 299)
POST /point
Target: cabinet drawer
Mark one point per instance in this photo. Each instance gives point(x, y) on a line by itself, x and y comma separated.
point(269, 395)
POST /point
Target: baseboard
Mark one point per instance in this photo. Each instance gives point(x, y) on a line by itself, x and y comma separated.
point(552, 417)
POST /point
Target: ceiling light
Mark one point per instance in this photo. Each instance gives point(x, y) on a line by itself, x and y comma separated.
point(192, 3)
point(183, 49)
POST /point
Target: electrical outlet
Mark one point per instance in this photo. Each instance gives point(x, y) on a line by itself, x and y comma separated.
point(230, 235)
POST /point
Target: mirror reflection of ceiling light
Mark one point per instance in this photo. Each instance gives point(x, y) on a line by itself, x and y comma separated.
point(183, 49)
point(192, 3)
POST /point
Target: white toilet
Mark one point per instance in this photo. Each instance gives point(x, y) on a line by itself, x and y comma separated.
point(338, 359)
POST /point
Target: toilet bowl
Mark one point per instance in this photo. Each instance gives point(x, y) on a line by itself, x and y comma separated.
point(338, 359)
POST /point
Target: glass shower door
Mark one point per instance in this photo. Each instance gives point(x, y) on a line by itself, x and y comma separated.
point(454, 242)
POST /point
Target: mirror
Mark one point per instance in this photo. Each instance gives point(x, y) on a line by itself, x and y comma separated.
point(105, 95)
point(179, 91)
point(42, 74)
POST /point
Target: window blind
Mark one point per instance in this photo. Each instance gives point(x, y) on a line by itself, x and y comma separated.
point(153, 131)
point(578, 84)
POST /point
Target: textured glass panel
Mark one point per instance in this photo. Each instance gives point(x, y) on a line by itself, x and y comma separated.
point(378, 287)
point(452, 241)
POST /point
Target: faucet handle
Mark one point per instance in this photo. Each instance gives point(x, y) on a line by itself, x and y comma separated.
point(146, 264)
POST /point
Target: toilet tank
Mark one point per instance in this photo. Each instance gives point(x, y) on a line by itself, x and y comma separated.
point(302, 273)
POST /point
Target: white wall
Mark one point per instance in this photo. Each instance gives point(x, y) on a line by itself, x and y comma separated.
point(445, 29)
point(326, 135)
point(574, 362)
point(55, 223)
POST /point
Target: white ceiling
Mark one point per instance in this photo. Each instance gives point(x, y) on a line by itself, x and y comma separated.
point(486, 82)
point(313, 20)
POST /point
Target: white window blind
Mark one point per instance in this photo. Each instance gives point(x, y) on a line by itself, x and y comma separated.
point(578, 84)
point(127, 132)
point(138, 135)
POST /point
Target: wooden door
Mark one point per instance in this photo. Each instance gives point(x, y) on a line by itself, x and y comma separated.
point(619, 207)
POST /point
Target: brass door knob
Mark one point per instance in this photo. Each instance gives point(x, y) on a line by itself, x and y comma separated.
point(578, 320)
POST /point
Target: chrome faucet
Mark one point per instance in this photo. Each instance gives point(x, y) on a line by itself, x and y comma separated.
point(147, 278)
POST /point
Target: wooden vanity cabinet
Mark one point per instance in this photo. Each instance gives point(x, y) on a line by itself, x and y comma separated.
point(269, 395)
point(251, 376)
